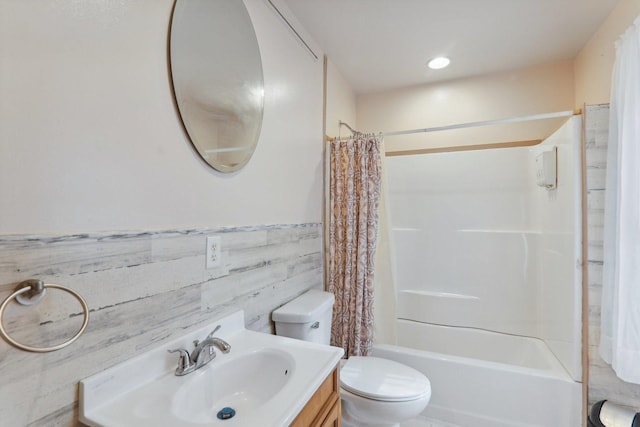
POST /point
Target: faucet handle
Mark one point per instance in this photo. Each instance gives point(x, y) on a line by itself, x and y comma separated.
point(185, 364)
point(214, 331)
point(222, 344)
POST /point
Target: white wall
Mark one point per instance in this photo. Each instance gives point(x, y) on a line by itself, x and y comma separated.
point(341, 102)
point(90, 139)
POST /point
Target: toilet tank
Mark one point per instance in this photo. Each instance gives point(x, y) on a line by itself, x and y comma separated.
point(307, 317)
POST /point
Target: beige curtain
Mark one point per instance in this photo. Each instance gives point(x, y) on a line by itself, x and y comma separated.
point(354, 198)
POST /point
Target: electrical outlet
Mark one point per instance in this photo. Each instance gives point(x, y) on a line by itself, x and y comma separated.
point(214, 251)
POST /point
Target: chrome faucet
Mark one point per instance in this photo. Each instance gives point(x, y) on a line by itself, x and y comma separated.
point(203, 353)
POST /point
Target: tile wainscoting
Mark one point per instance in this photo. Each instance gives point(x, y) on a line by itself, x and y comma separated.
point(142, 289)
point(603, 382)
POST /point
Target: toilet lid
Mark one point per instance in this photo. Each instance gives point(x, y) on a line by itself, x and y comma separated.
point(382, 379)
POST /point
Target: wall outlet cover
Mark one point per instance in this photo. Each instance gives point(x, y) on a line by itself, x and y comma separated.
point(214, 252)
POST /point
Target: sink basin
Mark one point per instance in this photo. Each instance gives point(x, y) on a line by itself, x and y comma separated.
point(265, 379)
point(242, 383)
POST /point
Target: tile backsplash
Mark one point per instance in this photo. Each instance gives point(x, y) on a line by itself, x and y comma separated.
point(142, 289)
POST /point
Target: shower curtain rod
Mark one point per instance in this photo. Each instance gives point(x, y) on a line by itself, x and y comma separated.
point(474, 124)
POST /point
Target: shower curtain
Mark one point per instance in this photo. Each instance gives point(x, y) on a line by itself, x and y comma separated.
point(354, 197)
point(384, 326)
point(620, 321)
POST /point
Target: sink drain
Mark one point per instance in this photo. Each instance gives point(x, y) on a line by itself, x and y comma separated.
point(226, 413)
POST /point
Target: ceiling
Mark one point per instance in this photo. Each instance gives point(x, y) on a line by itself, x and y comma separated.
point(384, 44)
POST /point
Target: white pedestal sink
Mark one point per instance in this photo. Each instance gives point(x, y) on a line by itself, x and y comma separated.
point(265, 379)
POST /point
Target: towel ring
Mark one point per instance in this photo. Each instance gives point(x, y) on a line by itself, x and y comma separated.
point(34, 290)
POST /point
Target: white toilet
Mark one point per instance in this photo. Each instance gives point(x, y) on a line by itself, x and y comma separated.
point(375, 392)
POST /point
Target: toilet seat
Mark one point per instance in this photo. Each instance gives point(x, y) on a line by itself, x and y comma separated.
point(384, 380)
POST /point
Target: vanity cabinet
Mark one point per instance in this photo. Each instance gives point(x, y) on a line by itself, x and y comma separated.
point(323, 409)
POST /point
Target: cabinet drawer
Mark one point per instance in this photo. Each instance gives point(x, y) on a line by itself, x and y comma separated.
point(334, 417)
point(322, 404)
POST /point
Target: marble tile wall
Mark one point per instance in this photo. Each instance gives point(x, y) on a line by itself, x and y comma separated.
point(603, 382)
point(142, 289)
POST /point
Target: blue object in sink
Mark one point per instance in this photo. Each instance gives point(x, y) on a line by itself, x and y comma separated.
point(226, 413)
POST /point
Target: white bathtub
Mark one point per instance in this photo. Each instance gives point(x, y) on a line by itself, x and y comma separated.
point(486, 379)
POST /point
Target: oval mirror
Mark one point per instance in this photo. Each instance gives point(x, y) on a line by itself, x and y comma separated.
point(217, 79)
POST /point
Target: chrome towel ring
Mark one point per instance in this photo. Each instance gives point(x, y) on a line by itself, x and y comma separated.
point(30, 292)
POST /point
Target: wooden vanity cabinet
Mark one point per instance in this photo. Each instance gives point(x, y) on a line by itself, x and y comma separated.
point(323, 409)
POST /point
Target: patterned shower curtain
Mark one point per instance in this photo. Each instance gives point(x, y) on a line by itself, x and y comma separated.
point(354, 198)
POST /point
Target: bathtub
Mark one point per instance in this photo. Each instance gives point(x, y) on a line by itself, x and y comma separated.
point(487, 379)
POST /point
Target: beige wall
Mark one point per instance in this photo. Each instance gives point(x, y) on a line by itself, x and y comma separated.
point(341, 102)
point(551, 87)
point(541, 89)
point(558, 86)
point(90, 139)
point(594, 63)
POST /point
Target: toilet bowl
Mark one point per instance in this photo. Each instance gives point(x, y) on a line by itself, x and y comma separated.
point(375, 392)
point(380, 392)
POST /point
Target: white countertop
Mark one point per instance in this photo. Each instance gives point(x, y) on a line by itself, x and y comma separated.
point(142, 391)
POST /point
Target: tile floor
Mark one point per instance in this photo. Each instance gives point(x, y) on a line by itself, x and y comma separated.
point(426, 422)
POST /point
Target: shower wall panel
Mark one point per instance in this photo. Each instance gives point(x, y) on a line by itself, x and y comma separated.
point(478, 244)
point(557, 216)
point(462, 236)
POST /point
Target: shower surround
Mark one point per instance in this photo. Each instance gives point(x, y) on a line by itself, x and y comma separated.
point(481, 251)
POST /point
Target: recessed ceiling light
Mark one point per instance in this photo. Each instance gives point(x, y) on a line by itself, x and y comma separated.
point(438, 63)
